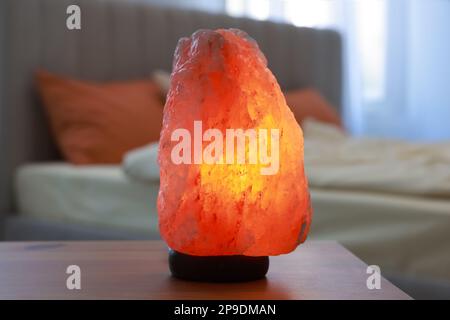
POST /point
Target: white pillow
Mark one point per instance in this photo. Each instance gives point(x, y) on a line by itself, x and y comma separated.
point(162, 79)
point(142, 163)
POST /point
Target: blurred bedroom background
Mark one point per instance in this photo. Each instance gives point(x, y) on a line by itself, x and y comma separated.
point(396, 70)
point(367, 80)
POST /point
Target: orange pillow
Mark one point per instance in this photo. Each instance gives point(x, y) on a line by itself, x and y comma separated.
point(95, 123)
point(309, 103)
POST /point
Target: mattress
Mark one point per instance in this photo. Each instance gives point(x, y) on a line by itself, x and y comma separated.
point(91, 195)
point(401, 234)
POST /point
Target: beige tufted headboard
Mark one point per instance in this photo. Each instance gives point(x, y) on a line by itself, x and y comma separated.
point(123, 40)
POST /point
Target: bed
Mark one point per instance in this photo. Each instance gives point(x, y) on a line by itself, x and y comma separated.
point(87, 195)
point(397, 232)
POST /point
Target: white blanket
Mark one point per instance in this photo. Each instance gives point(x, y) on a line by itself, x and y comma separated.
point(334, 160)
point(94, 195)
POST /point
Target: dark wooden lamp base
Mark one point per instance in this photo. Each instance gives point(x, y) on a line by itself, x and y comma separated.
point(217, 268)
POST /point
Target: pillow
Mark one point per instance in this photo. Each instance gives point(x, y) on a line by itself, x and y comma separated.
point(162, 79)
point(142, 163)
point(309, 103)
point(97, 123)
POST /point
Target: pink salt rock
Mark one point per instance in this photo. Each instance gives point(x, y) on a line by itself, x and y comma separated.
point(221, 78)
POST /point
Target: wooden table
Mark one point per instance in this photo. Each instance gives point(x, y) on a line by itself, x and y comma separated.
point(139, 270)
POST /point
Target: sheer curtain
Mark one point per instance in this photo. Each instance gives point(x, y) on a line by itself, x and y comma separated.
point(363, 27)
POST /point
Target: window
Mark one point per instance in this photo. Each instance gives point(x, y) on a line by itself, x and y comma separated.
point(370, 28)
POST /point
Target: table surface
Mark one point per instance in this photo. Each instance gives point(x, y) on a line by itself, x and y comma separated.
point(139, 270)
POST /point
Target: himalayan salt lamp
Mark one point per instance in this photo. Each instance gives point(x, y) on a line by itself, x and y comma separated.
point(233, 189)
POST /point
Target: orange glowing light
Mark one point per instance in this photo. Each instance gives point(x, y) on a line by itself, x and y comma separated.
point(221, 79)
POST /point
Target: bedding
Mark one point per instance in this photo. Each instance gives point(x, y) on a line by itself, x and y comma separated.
point(142, 163)
point(162, 79)
point(392, 217)
point(90, 195)
point(363, 197)
point(334, 160)
point(403, 234)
